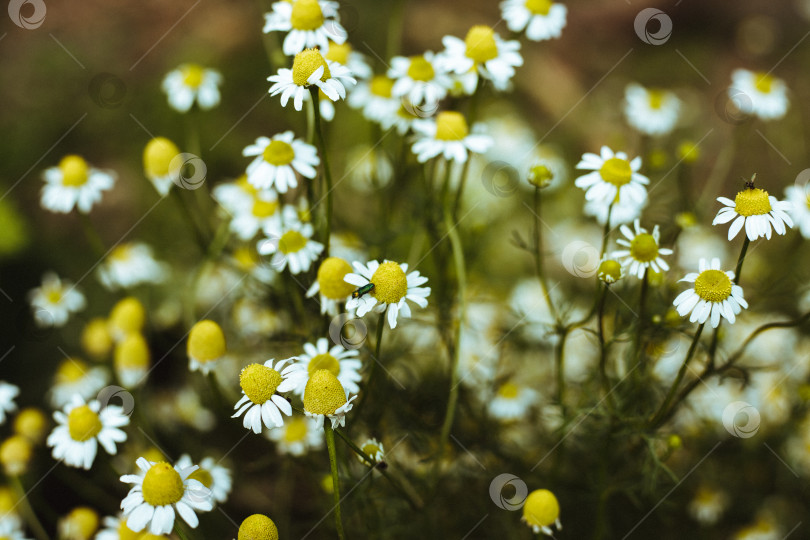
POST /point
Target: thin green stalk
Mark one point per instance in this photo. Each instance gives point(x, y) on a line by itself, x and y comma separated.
point(663, 409)
point(559, 362)
point(639, 352)
point(602, 346)
point(606, 232)
point(538, 255)
point(372, 368)
point(740, 260)
point(330, 444)
point(327, 173)
point(27, 510)
point(179, 530)
point(737, 272)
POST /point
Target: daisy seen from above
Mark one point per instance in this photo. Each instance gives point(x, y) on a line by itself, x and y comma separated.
point(130, 264)
point(308, 23)
point(511, 401)
point(277, 161)
point(74, 183)
point(373, 449)
point(341, 362)
point(651, 111)
point(331, 286)
point(614, 179)
point(392, 288)
point(714, 295)
point(542, 19)
point(291, 247)
point(448, 135)
point(325, 397)
point(159, 492)
point(643, 250)
point(55, 300)
point(483, 53)
point(421, 79)
point(189, 83)
point(758, 94)
point(260, 402)
point(310, 68)
point(755, 209)
point(211, 475)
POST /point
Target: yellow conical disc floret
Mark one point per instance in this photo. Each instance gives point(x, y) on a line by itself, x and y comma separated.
point(644, 248)
point(278, 153)
point(616, 171)
point(539, 7)
point(306, 15)
point(259, 382)
point(295, 429)
point(15, 454)
point(713, 285)
point(541, 508)
point(83, 423)
point(323, 394)
point(390, 283)
point(306, 63)
point(330, 278)
point(324, 361)
point(71, 370)
point(481, 44)
point(206, 341)
point(420, 69)
point(125, 533)
point(96, 339)
point(30, 423)
point(132, 352)
point(75, 171)
point(82, 523)
point(752, 202)
point(381, 86)
point(127, 316)
point(158, 155)
point(291, 242)
point(451, 126)
point(162, 485)
point(202, 476)
point(193, 75)
point(339, 52)
point(258, 527)
point(609, 271)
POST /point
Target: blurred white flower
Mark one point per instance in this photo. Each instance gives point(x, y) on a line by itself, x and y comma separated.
point(192, 82)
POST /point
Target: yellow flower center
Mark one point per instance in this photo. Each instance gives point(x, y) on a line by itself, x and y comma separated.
point(508, 390)
point(32, 424)
point(390, 283)
point(644, 248)
point(202, 476)
point(157, 156)
point(259, 382)
point(192, 75)
point(82, 522)
point(264, 209)
point(339, 52)
point(420, 69)
point(451, 126)
point(381, 86)
point(292, 242)
point(278, 153)
point(245, 257)
point(162, 485)
point(246, 186)
point(481, 45)
point(713, 286)
point(71, 370)
point(763, 82)
point(125, 533)
point(656, 98)
point(306, 63)
point(83, 423)
point(609, 271)
point(616, 171)
point(538, 7)
point(324, 361)
point(295, 429)
point(306, 15)
point(330, 278)
point(323, 393)
point(121, 253)
point(206, 342)
point(541, 508)
point(258, 527)
point(371, 449)
point(752, 202)
point(127, 316)
point(74, 171)
point(54, 296)
point(540, 176)
point(15, 453)
point(807, 201)
point(688, 151)
point(132, 352)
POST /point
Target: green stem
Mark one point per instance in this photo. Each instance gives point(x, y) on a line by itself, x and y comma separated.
point(559, 360)
point(92, 235)
point(737, 271)
point(327, 173)
point(606, 232)
point(602, 346)
point(27, 509)
point(330, 444)
point(179, 530)
point(640, 356)
point(538, 255)
point(740, 260)
point(372, 368)
point(660, 415)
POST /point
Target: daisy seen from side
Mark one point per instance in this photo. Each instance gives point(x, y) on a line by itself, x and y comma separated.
point(615, 179)
point(393, 287)
point(643, 250)
point(756, 210)
point(308, 23)
point(189, 83)
point(447, 135)
point(713, 295)
point(310, 68)
point(260, 402)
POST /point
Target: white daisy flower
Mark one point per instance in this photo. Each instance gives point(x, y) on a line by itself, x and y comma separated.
point(191, 82)
point(342, 362)
point(755, 209)
point(278, 159)
point(345, 55)
point(158, 492)
point(799, 198)
point(8, 392)
point(130, 264)
point(297, 436)
point(483, 53)
point(259, 213)
point(293, 248)
point(402, 120)
point(758, 94)
point(131, 360)
point(74, 376)
point(10, 529)
point(234, 196)
point(643, 250)
point(205, 346)
point(421, 79)
point(82, 427)
point(159, 164)
point(325, 397)
point(310, 68)
point(373, 449)
point(512, 401)
point(542, 19)
point(449, 136)
point(54, 301)
point(260, 403)
point(375, 98)
point(329, 283)
point(714, 294)
point(614, 179)
point(308, 23)
point(651, 111)
point(74, 183)
point(392, 286)
point(211, 475)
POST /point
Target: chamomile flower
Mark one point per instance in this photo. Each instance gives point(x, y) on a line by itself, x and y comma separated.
point(31, 423)
point(759, 94)
point(130, 264)
point(189, 83)
point(73, 376)
point(160, 491)
point(373, 449)
point(159, 164)
point(258, 527)
point(81, 427)
point(261, 403)
point(755, 209)
point(610, 270)
point(205, 346)
point(341, 362)
point(10, 529)
point(329, 283)
point(392, 287)
point(799, 197)
point(375, 98)
point(297, 436)
point(511, 401)
point(310, 68)
point(81, 523)
point(651, 111)
point(421, 79)
point(448, 135)
point(708, 505)
point(308, 23)
point(74, 183)
point(541, 511)
point(344, 54)
point(483, 53)
point(325, 397)
point(278, 159)
point(211, 475)
point(293, 248)
point(53, 302)
point(542, 19)
point(714, 294)
point(8, 392)
point(614, 179)
point(126, 317)
point(643, 250)
point(258, 213)
point(131, 360)
point(115, 528)
point(15, 454)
